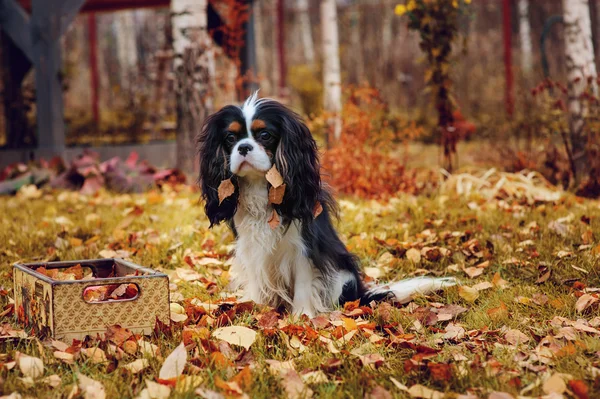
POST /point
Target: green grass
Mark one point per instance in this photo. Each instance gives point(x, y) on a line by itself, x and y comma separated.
point(28, 232)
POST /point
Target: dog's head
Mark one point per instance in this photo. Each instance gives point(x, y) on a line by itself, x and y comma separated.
point(245, 142)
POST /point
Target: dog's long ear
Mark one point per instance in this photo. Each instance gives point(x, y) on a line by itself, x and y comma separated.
point(298, 162)
point(214, 168)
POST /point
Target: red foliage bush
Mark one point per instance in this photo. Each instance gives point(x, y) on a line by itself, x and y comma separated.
point(363, 163)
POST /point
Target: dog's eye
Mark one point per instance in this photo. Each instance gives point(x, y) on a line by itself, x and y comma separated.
point(264, 135)
point(230, 138)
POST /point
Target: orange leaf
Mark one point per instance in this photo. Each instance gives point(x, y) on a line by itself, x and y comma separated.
point(276, 194)
point(317, 209)
point(274, 220)
point(226, 189)
point(244, 378)
point(579, 389)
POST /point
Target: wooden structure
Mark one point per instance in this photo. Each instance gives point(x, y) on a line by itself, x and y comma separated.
point(34, 28)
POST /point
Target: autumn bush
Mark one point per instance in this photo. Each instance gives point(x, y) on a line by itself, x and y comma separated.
point(367, 162)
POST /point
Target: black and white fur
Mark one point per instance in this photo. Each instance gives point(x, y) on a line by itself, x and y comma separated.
point(302, 264)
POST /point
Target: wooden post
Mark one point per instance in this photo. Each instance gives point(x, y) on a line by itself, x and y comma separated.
point(45, 34)
point(49, 20)
point(506, 23)
point(94, 80)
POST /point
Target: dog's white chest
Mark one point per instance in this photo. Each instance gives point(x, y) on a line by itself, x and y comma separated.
point(265, 258)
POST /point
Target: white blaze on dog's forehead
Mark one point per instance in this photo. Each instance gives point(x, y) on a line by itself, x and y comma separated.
point(249, 108)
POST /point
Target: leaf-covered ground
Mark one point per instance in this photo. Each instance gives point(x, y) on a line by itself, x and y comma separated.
point(525, 321)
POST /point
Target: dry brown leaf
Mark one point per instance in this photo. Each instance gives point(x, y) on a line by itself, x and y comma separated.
point(422, 392)
point(554, 384)
point(30, 366)
point(469, 294)
point(379, 392)
point(276, 194)
point(236, 335)
point(294, 386)
point(318, 209)
point(154, 390)
point(473, 271)
point(94, 355)
point(585, 301)
point(174, 364)
point(500, 395)
point(226, 190)
point(274, 220)
point(515, 337)
point(136, 366)
point(274, 177)
point(66, 357)
point(90, 388)
point(414, 255)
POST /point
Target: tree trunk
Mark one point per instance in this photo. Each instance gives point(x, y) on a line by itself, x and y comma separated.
point(305, 30)
point(525, 37)
point(580, 64)
point(356, 39)
point(332, 96)
point(193, 79)
point(126, 49)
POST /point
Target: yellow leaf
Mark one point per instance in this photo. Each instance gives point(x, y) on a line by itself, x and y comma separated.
point(274, 177)
point(469, 294)
point(226, 189)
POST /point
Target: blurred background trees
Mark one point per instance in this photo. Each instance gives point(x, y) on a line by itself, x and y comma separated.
point(439, 71)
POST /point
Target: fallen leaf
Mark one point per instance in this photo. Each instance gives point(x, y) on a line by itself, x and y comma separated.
point(276, 194)
point(500, 395)
point(274, 220)
point(174, 364)
point(422, 392)
point(90, 388)
point(30, 366)
point(154, 390)
point(579, 388)
point(414, 255)
point(94, 355)
point(52, 381)
point(236, 335)
point(294, 386)
point(117, 334)
point(469, 294)
point(274, 177)
point(554, 384)
point(585, 301)
point(379, 392)
point(136, 366)
point(515, 337)
point(225, 190)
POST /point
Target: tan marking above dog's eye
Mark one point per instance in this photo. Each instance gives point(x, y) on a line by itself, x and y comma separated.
point(258, 124)
point(234, 127)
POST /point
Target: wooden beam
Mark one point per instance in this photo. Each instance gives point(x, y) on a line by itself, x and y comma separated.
point(49, 19)
point(15, 22)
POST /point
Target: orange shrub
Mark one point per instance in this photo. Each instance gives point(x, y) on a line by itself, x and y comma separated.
point(367, 161)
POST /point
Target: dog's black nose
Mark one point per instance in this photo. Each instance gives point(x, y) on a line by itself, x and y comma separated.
point(245, 148)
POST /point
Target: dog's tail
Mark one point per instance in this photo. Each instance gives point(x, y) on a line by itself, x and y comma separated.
point(403, 291)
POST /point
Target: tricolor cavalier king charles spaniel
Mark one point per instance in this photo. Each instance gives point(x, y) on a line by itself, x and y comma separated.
point(287, 251)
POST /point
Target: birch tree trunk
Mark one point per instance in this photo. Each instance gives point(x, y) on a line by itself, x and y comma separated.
point(525, 37)
point(332, 96)
point(579, 53)
point(126, 48)
point(305, 30)
point(193, 78)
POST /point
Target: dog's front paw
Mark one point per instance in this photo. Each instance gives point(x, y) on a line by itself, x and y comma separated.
point(303, 310)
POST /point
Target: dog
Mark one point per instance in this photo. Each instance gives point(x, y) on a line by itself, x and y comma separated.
point(287, 251)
